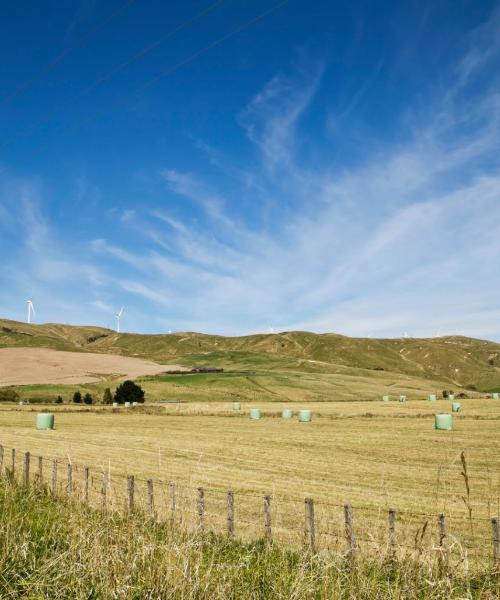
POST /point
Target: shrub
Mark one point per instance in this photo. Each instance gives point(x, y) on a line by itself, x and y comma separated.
point(59, 400)
point(87, 399)
point(77, 397)
point(129, 391)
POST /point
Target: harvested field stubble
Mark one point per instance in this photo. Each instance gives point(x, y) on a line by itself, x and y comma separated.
point(375, 463)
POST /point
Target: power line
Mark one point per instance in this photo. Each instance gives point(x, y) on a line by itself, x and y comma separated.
point(54, 62)
point(171, 70)
point(146, 50)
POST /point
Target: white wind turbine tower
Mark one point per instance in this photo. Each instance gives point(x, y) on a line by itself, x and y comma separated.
point(118, 317)
point(31, 309)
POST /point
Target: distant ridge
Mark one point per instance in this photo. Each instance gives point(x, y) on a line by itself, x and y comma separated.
point(460, 360)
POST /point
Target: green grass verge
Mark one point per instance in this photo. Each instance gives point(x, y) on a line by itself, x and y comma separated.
point(55, 549)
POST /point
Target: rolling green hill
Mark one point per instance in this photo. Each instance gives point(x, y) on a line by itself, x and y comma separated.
point(459, 360)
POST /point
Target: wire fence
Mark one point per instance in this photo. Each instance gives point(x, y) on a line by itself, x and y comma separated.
point(319, 526)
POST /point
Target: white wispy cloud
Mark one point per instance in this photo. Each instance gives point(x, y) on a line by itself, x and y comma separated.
point(271, 118)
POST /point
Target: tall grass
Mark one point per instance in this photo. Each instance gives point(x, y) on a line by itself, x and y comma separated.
point(53, 548)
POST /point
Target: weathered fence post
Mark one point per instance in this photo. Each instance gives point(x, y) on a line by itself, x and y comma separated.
point(40, 469)
point(309, 532)
point(171, 488)
point(200, 501)
point(495, 526)
point(230, 514)
point(151, 499)
point(86, 478)
point(69, 482)
point(392, 530)
point(349, 530)
point(443, 541)
point(130, 493)
point(54, 477)
point(1, 459)
point(104, 490)
point(26, 469)
point(13, 471)
point(267, 520)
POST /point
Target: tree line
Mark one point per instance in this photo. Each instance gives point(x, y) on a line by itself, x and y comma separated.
point(128, 391)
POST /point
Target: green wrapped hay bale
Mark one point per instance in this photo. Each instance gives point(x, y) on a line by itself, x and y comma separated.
point(287, 413)
point(402, 398)
point(115, 404)
point(45, 421)
point(456, 407)
point(127, 404)
point(443, 421)
point(496, 395)
point(255, 413)
point(305, 416)
point(135, 403)
point(386, 398)
point(236, 405)
point(431, 397)
point(451, 397)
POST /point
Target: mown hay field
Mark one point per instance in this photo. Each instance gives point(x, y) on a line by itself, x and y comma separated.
point(376, 455)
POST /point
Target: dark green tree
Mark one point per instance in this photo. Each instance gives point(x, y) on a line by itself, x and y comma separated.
point(8, 395)
point(129, 391)
point(59, 400)
point(87, 399)
point(107, 397)
point(77, 397)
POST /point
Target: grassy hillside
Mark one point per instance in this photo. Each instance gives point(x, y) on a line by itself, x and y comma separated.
point(457, 360)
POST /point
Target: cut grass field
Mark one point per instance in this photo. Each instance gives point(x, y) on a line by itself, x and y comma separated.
point(376, 455)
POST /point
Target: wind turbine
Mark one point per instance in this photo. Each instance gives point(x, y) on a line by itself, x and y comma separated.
point(118, 317)
point(31, 309)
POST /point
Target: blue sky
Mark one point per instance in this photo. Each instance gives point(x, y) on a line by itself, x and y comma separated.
point(330, 167)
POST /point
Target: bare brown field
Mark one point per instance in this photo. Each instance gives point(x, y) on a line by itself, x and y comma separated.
point(24, 366)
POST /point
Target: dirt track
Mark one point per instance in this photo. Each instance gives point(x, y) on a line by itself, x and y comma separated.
point(24, 366)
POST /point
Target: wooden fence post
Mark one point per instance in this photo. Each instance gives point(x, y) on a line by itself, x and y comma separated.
point(26, 469)
point(86, 478)
point(267, 520)
point(1, 459)
point(69, 482)
point(230, 514)
point(54, 477)
point(171, 488)
point(40, 469)
point(496, 539)
point(104, 490)
point(443, 541)
point(151, 499)
point(13, 471)
point(392, 530)
point(130, 493)
point(310, 534)
point(200, 501)
point(349, 529)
